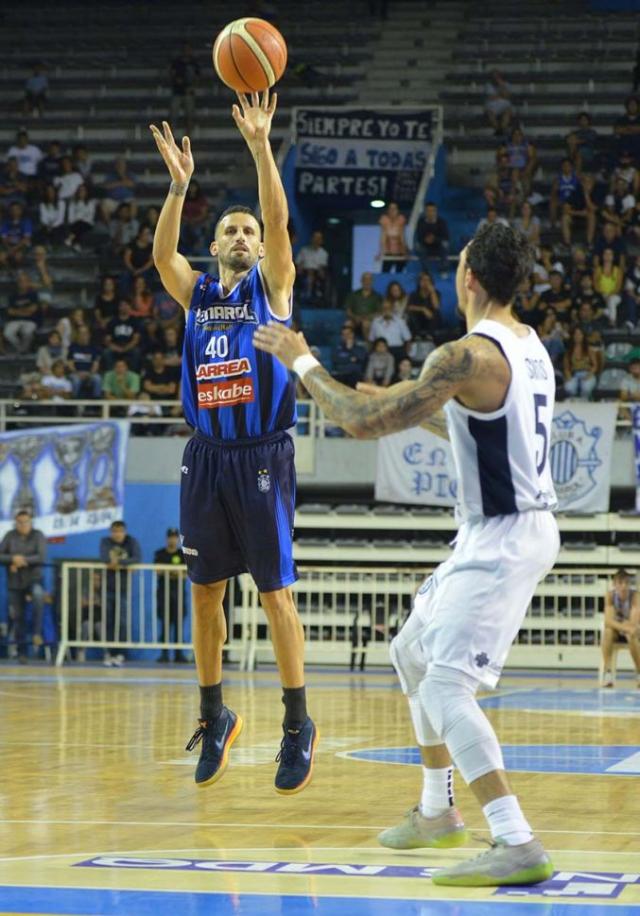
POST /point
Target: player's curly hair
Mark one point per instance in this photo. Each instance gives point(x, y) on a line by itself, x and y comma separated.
point(501, 259)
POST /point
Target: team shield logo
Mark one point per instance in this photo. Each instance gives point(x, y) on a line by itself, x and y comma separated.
point(574, 457)
point(264, 480)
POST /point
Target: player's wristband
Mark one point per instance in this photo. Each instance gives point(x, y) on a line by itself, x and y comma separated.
point(178, 188)
point(303, 364)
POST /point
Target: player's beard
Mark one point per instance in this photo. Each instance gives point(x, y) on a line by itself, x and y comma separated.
point(238, 261)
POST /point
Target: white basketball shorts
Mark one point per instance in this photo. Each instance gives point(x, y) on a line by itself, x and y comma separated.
point(467, 614)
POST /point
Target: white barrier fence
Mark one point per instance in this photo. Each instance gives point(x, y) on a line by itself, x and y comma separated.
point(143, 606)
point(347, 613)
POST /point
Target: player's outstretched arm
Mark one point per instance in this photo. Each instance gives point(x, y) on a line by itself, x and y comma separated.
point(253, 120)
point(446, 372)
point(177, 275)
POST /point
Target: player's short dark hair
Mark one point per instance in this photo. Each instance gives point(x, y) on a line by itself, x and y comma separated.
point(22, 513)
point(118, 524)
point(501, 259)
point(237, 208)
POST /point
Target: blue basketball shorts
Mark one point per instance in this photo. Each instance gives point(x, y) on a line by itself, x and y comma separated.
point(237, 504)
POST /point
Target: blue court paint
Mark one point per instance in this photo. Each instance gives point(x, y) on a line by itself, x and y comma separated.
point(80, 902)
point(614, 760)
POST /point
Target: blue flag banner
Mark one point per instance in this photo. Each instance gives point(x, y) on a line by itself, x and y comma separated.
point(414, 466)
point(348, 156)
point(71, 478)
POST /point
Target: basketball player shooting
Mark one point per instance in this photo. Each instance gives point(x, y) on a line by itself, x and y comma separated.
point(492, 394)
point(237, 494)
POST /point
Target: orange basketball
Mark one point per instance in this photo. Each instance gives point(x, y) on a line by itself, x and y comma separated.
point(249, 55)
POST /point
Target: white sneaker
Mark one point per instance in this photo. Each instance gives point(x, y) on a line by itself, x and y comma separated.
point(117, 661)
point(108, 661)
point(607, 679)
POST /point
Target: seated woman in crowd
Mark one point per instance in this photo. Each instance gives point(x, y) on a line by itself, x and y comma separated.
point(51, 211)
point(195, 220)
point(523, 156)
point(81, 217)
point(607, 280)
point(579, 367)
point(138, 259)
point(106, 302)
point(423, 308)
point(396, 295)
point(528, 223)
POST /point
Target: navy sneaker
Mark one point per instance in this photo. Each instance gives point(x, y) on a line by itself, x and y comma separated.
point(217, 737)
point(295, 757)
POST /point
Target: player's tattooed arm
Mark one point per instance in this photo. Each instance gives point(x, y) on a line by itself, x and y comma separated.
point(446, 370)
point(436, 424)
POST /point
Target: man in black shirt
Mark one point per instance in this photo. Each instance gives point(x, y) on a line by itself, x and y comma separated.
point(171, 605)
point(84, 362)
point(118, 551)
point(50, 166)
point(432, 238)
point(350, 357)
point(557, 296)
point(159, 380)
point(122, 337)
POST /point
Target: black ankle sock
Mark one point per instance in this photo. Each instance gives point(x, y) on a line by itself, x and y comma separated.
point(211, 702)
point(295, 706)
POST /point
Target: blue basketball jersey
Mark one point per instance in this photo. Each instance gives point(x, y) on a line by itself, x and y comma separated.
point(230, 390)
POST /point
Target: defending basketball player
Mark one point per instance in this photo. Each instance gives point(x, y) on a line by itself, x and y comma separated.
point(492, 394)
point(237, 494)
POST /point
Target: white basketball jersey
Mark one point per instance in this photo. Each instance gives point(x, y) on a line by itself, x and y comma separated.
point(502, 458)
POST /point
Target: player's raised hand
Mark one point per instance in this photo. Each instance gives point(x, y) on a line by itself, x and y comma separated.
point(253, 117)
point(178, 161)
point(281, 341)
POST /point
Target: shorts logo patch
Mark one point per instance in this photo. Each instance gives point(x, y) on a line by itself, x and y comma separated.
point(226, 394)
point(481, 659)
point(184, 469)
point(264, 480)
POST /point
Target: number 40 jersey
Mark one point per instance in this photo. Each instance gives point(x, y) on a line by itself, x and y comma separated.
point(230, 390)
point(502, 458)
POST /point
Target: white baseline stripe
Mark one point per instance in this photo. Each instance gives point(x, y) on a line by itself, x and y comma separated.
point(294, 826)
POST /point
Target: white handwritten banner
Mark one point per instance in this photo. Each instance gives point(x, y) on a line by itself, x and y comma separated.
point(414, 466)
point(71, 478)
point(353, 153)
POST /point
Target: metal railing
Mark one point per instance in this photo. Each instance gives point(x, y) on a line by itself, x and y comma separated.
point(143, 606)
point(344, 611)
point(311, 421)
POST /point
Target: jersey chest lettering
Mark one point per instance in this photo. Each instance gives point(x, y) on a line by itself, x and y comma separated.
point(243, 312)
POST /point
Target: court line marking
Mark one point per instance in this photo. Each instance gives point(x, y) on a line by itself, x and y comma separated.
point(481, 829)
point(156, 853)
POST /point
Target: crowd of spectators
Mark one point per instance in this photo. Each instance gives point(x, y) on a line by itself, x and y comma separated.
point(126, 343)
point(584, 223)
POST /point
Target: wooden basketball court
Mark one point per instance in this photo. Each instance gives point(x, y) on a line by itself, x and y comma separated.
point(99, 812)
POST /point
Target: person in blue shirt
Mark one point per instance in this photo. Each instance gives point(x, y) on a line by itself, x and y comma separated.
point(15, 236)
point(237, 496)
